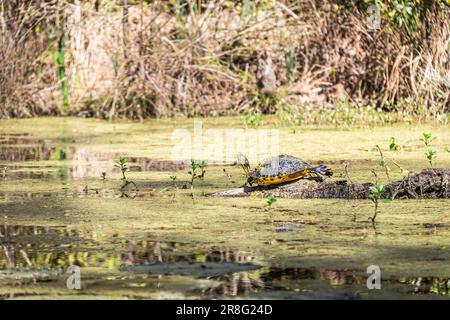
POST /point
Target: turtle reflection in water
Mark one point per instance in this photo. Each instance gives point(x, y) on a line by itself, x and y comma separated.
point(280, 169)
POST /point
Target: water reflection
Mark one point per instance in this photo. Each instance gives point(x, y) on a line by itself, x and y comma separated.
point(56, 248)
point(53, 247)
point(77, 161)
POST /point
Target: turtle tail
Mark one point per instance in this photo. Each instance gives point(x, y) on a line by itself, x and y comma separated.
point(323, 170)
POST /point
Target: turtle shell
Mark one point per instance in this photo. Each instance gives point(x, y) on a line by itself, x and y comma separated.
point(279, 166)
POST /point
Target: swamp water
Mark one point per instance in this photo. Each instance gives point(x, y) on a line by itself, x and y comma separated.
point(61, 205)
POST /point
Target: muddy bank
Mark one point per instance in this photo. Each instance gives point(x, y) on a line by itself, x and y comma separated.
point(428, 184)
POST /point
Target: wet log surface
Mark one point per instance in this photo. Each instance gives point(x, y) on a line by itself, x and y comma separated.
point(428, 184)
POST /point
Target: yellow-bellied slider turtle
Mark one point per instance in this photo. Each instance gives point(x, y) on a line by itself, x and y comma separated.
point(280, 169)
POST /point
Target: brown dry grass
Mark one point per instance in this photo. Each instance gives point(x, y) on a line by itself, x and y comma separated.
point(137, 60)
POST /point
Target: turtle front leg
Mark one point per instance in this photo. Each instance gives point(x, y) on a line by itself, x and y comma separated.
point(248, 183)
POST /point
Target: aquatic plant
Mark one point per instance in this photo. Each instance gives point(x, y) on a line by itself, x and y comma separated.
point(251, 118)
point(173, 178)
point(201, 165)
point(271, 200)
point(122, 164)
point(393, 146)
point(431, 155)
point(375, 196)
point(59, 154)
point(192, 172)
point(427, 138)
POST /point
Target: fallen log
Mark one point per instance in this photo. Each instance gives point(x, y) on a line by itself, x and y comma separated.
point(428, 184)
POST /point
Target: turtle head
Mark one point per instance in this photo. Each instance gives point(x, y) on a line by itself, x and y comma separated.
point(243, 161)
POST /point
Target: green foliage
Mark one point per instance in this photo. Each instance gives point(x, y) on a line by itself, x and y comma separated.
point(194, 166)
point(122, 164)
point(349, 113)
point(60, 154)
point(174, 179)
point(251, 118)
point(271, 200)
point(393, 146)
point(376, 192)
point(375, 195)
point(431, 155)
point(427, 138)
point(202, 166)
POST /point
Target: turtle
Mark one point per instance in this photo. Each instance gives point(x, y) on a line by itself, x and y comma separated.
point(280, 169)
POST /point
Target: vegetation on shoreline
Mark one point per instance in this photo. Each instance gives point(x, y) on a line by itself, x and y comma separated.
point(136, 59)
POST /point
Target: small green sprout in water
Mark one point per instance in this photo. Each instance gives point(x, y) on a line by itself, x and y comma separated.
point(251, 119)
point(447, 149)
point(393, 146)
point(123, 165)
point(271, 200)
point(173, 178)
point(430, 154)
point(375, 196)
point(427, 138)
point(60, 154)
point(193, 170)
point(202, 166)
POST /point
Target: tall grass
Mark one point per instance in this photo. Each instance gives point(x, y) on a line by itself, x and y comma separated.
point(139, 59)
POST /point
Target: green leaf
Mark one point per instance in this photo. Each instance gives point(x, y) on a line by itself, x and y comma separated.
point(373, 189)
